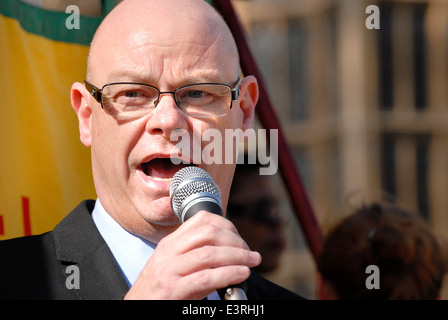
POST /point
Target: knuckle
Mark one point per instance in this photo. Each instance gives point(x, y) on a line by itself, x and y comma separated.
point(204, 254)
point(204, 279)
point(209, 231)
point(212, 229)
point(203, 216)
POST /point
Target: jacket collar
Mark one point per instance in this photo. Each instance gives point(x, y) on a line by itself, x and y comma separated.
point(78, 241)
point(76, 236)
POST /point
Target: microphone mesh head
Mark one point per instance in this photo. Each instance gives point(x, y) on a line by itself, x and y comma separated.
point(188, 181)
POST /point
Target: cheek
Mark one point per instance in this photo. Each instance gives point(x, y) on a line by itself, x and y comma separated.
point(106, 156)
point(219, 148)
point(104, 134)
point(111, 145)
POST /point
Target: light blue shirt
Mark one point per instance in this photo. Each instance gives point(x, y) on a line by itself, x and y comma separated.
point(130, 251)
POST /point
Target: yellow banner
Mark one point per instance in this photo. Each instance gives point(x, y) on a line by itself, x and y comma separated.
point(45, 170)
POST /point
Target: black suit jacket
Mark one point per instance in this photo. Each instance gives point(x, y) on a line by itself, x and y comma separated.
point(35, 267)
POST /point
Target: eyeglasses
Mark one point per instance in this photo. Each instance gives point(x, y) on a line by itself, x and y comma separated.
point(133, 100)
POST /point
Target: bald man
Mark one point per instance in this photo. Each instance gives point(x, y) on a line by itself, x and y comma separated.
point(154, 72)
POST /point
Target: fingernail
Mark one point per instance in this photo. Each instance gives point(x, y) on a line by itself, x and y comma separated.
point(255, 256)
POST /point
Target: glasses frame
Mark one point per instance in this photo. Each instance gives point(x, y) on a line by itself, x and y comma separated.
point(97, 93)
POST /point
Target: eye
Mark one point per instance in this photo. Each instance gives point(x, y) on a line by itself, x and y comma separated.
point(132, 94)
point(195, 97)
point(131, 98)
point(196, 94)
point(136, 96)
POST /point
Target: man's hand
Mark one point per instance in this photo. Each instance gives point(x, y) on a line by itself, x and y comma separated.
point(204, 254)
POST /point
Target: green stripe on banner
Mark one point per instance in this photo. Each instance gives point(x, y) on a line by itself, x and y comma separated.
point(108, 5)
point(50, 24)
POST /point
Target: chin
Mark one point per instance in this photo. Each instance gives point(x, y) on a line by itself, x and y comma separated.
point(158, 214)
point(163, 221)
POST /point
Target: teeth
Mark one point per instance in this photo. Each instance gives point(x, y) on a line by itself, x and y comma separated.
point(161, 179)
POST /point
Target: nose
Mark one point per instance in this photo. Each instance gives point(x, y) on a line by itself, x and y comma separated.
point(166, 116)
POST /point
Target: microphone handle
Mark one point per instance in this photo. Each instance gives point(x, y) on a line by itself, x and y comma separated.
point(212, 205)
point(236, 292)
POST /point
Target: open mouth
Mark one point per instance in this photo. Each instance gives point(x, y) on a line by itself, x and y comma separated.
point(162, 168)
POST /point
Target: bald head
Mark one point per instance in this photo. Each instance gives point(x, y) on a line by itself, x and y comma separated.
point(152, 32)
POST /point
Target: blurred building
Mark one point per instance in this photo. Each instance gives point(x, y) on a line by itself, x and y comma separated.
point(365, 110)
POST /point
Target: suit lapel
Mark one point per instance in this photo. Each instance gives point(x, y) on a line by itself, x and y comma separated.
point(78, 242)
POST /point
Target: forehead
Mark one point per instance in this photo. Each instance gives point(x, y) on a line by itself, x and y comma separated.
point(176, 51)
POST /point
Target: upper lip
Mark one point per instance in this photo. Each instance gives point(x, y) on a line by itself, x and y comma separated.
point(165, 156)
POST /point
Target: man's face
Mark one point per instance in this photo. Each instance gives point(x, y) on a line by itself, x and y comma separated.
point(131, 158)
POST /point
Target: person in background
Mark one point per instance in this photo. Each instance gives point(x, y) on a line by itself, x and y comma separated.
point(254, 209)
point(409, 259)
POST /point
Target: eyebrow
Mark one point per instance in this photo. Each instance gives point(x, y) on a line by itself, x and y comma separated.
point(130, 77)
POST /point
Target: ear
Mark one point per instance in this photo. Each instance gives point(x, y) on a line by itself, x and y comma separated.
point(248, 101)
point(80, 98)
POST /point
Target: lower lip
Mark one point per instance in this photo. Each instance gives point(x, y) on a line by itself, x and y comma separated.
point(161, 184)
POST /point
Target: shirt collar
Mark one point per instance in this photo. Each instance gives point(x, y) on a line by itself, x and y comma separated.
point(130, 251)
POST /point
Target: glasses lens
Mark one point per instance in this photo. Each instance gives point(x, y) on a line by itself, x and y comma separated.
point(204, 100)
point(129, 99)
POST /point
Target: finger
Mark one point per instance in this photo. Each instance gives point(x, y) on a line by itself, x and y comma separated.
point(211, 235)
point(203, 232)
point(206, 218)
point(200, 284)
point(209, 257)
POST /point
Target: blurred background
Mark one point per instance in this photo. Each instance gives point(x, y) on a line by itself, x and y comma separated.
point(364, 111)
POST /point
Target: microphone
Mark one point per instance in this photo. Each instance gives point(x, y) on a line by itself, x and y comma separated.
point(192, 189)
